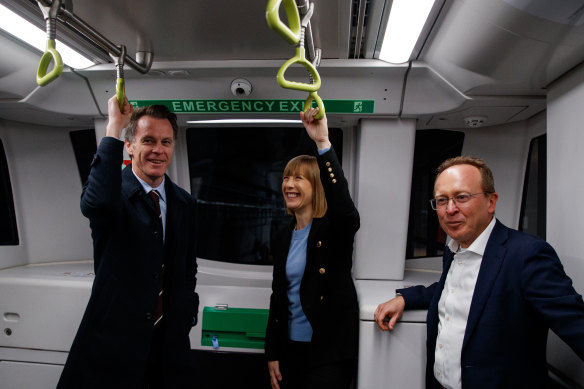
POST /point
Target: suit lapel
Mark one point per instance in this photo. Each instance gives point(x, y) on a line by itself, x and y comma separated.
point(490, 267)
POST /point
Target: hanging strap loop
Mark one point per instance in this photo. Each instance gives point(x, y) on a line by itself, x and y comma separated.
point(290, 34)
point(51, 54)
point(319, 104)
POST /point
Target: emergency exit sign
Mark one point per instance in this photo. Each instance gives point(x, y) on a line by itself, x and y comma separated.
point(258, 106)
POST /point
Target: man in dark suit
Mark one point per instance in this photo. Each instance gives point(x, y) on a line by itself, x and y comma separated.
point(499, 293)
point(135, 330)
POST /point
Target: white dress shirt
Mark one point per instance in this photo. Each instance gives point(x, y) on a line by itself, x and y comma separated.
point(454, 306)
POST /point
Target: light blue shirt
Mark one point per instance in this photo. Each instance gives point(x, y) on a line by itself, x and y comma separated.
point(299, 329)
point(162, 193)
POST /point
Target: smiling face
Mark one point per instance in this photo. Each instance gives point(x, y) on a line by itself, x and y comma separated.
point(151, 149)
point(464, 222)
point(298, 193)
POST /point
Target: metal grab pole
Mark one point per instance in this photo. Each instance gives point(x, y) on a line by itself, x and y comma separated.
point(143, 60)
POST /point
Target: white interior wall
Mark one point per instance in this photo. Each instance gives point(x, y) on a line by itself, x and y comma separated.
point(565, 209)
point(504, 148)
point(384, 176)
point(46, 187)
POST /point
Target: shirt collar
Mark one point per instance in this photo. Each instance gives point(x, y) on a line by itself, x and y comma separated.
point(479, 245)
point(148, 188)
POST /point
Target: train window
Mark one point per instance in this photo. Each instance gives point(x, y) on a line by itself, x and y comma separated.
point(425, 237)
point(532, 218)
point(84, 147)
point(236, 177)
point(8, 229)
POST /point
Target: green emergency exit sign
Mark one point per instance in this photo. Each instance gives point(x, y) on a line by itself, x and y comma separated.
point(258, 106)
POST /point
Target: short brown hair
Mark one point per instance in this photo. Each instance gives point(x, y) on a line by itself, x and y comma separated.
point(488, 182)
point(307, 166)
point(155, 111)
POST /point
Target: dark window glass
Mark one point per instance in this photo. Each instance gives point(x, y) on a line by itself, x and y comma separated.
point(236, 177)
point(84, 147)
point(425, 237)
point(8, 230)
point(532, 218)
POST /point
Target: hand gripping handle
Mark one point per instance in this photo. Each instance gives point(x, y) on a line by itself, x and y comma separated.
point(319, 103)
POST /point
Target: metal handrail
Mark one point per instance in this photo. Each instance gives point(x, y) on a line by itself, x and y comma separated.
point(143, 60)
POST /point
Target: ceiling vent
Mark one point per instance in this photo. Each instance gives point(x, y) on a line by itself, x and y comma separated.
point(475, 121)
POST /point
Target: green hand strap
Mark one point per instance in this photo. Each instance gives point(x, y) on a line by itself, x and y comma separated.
point(120, 92)
point(299, 58)
point(290, 34)
point(319, 103)
point(43, 78)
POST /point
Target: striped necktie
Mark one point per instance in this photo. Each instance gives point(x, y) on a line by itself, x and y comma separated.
point(155, 196)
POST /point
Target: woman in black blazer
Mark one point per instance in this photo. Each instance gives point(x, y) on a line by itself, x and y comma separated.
point(311, 336)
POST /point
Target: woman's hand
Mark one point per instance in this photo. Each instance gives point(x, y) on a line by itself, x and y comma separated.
point(317, 129)
point(275, 375)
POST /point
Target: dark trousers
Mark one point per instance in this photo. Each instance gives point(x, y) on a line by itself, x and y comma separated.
point(298, 372)
point(154, 378)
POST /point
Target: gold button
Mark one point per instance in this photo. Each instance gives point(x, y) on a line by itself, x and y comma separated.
point(321, 298)
point(328, 163)
point(332, 175)
point(330, 169)
point(322, 270)
point(318, 244)
point(334, 180)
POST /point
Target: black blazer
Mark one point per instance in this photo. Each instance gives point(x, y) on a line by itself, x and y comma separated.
point(327, 291)
point(521, 292)
point(112, 344)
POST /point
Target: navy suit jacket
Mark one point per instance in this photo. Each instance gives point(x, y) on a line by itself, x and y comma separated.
point(521, 292)
point(112, 344)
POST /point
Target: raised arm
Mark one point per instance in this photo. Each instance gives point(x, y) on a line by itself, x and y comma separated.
point(317, 129)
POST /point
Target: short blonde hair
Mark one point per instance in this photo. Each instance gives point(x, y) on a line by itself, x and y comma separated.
point(307, 166)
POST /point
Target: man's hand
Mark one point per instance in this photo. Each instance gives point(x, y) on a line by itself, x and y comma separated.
point(117, 120)
point(392, 310)
point(275, 375)
point(317, 129)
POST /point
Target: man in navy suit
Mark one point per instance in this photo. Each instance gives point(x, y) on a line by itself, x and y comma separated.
point(499, 293)
point(135, 330)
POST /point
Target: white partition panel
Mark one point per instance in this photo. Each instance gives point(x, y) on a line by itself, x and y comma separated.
point(384, 175)
point(565, 184)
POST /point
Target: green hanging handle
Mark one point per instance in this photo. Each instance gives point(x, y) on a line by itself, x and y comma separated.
point(290, 34)
point(43, 78)
point(299, 58)
point(51, 54)
point(120, 82)
point(319, 103)
point(121, 92)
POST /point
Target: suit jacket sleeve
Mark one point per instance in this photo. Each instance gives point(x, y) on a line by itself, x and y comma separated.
point(101, 194)
point(550, 292)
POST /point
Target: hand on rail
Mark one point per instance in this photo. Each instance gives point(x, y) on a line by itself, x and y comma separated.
point(388, 313)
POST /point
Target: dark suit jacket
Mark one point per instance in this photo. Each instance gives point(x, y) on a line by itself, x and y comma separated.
point(521, 292)
point(327, 292)
point(112, 344)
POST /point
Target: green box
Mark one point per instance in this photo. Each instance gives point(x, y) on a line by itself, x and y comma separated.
point(234, 327)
